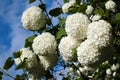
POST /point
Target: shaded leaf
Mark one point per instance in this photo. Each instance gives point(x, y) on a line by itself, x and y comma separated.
point(8, 64)
point(99, 11)
point(78, 1)
point(66, 1)
point(17, 54)
point(31, 1)
point(117, 18)
point(1, 73)
point(55, 12)
point(75, 56)
point(21, 77)
point(42, 6)
point(20, 66)
point(48, 21)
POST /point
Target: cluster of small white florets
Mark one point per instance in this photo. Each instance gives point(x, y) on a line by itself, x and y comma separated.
point(33, 18)
point(113, 70)
point(99, 33)
point(89, 10)
point(88, 53)
point(66, 6)
point(48, 62)
point(44, 44)
point(110, 5)
point(76, 26)
point(98, 37)
point(67, 47)
point(95, 17)
point(25, 54)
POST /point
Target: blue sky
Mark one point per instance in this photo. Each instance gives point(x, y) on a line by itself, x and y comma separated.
point(11, 32)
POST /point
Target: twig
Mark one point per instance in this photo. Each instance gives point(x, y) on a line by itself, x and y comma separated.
point(5, 73)
point(58, 3)
point(46, 12)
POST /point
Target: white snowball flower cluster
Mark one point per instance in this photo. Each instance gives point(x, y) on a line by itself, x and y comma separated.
point(108, 71)
point(99, 33)
point(67, 47)
point(115, 67)
point(89, 10)
point(110, 5)
point(31, 62)
point(95, 17)
point(88, 53)
point(76, 26)
point(25, 54)
point(33, 18)
point(66, 6)
point(48, 62)
point(44, 44)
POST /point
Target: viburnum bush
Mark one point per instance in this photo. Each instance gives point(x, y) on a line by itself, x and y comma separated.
point(84, 44)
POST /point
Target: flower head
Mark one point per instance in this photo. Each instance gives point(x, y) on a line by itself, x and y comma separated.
point(67, 47)
point(44, 44)
point(88, 53)
point(25, 54)
point(66, 6)
point(33, 18)
point(100, 33)
point(110, 5)
point(76, 26)
point(89, 10)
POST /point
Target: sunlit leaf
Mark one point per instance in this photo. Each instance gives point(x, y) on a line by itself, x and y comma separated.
point(29, 41)
point(61, 33)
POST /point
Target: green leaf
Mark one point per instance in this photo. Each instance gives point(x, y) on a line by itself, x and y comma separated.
point(17, 54)
point(82, 8)
point(78, 2)
point(117, 16)
point(31, 1)
point(29, 41)
point(20, 66)
point(75, 56)
point(48, 22)
point(0, 77)
point(42, 6)
point(8, 64)
point(60, 33)
point(21, 77)
point(66, 1)
point(1, 73)
point(77, 8)
point(55, 12)
point(99, 11)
